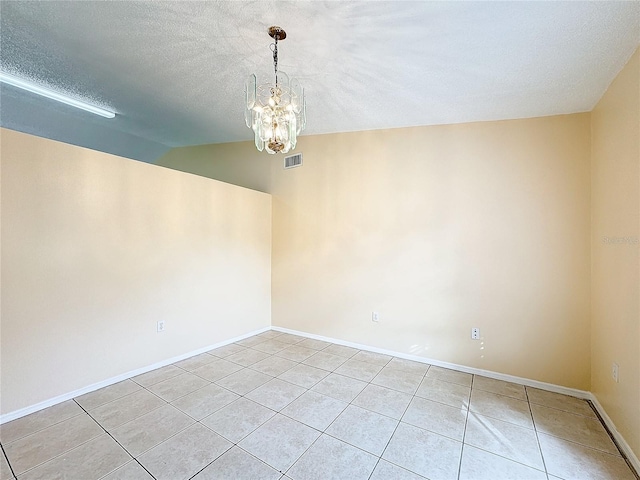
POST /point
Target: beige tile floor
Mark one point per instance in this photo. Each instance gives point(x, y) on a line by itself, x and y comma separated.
point(279, 406)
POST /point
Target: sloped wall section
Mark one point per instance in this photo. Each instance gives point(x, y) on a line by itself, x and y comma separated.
point(97, 248)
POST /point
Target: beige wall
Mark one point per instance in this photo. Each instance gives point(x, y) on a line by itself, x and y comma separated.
point(236, 163)
point(616, 261)
point(442, 229)
point(97, 248)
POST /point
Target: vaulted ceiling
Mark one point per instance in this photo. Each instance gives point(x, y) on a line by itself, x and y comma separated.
point(174, 71)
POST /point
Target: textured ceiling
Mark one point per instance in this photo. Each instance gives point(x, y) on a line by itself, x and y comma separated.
point(174, 71)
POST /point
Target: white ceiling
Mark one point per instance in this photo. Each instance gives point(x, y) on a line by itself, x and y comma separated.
point(174, 71)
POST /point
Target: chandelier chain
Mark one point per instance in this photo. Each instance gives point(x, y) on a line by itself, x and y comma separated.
point(275, 58)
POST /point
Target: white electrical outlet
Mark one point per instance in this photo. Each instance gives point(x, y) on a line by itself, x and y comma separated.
point(615, 371)
point(475, 333)
point(160, 326)
point(375, 317)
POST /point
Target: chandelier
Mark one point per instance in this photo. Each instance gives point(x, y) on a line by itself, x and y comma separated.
point(275, 110)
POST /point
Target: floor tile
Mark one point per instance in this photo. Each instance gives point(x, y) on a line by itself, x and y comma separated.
point(325, 361)
point(503, 408)
point(340, 387)
point(561, 402)
point(383, 400)
point(130, 471)
point(238, 419)
point(500, 387)
point(125, 409)
point(107, 394)
point(29, 424)
point(204, 402)
point(303, 375)
point(43, 445)
point(217, 369)
point(280, 442)
point(236, 464)
point(290, 339)
point(505, 439)
point(341, 350)
point(571, 461)
point(185, 454)
point(143, 433)
point(388, 471)
point(296, 353)
point(247, 357)
point(372, 357)
point(398, 380)
point(275, 394)
point(314, 344)
point(407, 448)
point(225, 351)
point(500, 440)
point(480, 465)
point(5, 471)
point(447, 375)
point(195, 362)
point(243, 381)
point(436, 417)
point(251, 341)
point(270, 346)
point(364, 429)
point(273, 366)
point(330, 458)
point(315, 410)
point(361, 370)
point(178, 386)
point(89, 461)
point(269, 334)
point(575, 428)
point(408, 366)
point(444, 392)
point(158, 375)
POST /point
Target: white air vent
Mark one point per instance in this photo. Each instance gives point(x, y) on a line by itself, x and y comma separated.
point(293, 161)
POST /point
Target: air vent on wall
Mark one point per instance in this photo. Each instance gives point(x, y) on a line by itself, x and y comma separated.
point(293, 161)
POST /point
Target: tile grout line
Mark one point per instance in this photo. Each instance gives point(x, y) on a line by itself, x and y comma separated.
point(535, 429)
point(322, 432)
point(39, 429)
point(57, 455)
point(466, 422)
point(514, 425)
point(396, 428)
point(600, 419)
point(121, 446)
point(7, 459)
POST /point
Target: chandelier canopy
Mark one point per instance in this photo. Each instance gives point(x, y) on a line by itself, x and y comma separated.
point(275, 110)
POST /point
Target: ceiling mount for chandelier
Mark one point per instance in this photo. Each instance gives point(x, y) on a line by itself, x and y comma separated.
point(275, 110)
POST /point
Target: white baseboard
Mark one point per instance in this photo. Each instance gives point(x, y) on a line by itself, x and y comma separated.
point(622, 443)
point(7, 417)
point(453, 366)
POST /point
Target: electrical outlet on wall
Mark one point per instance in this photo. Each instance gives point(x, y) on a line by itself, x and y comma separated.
point(160, 326)
point(375, 317)
point(475, 333)
point(615, 372)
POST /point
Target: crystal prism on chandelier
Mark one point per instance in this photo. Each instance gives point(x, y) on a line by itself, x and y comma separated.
point(275, 110)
